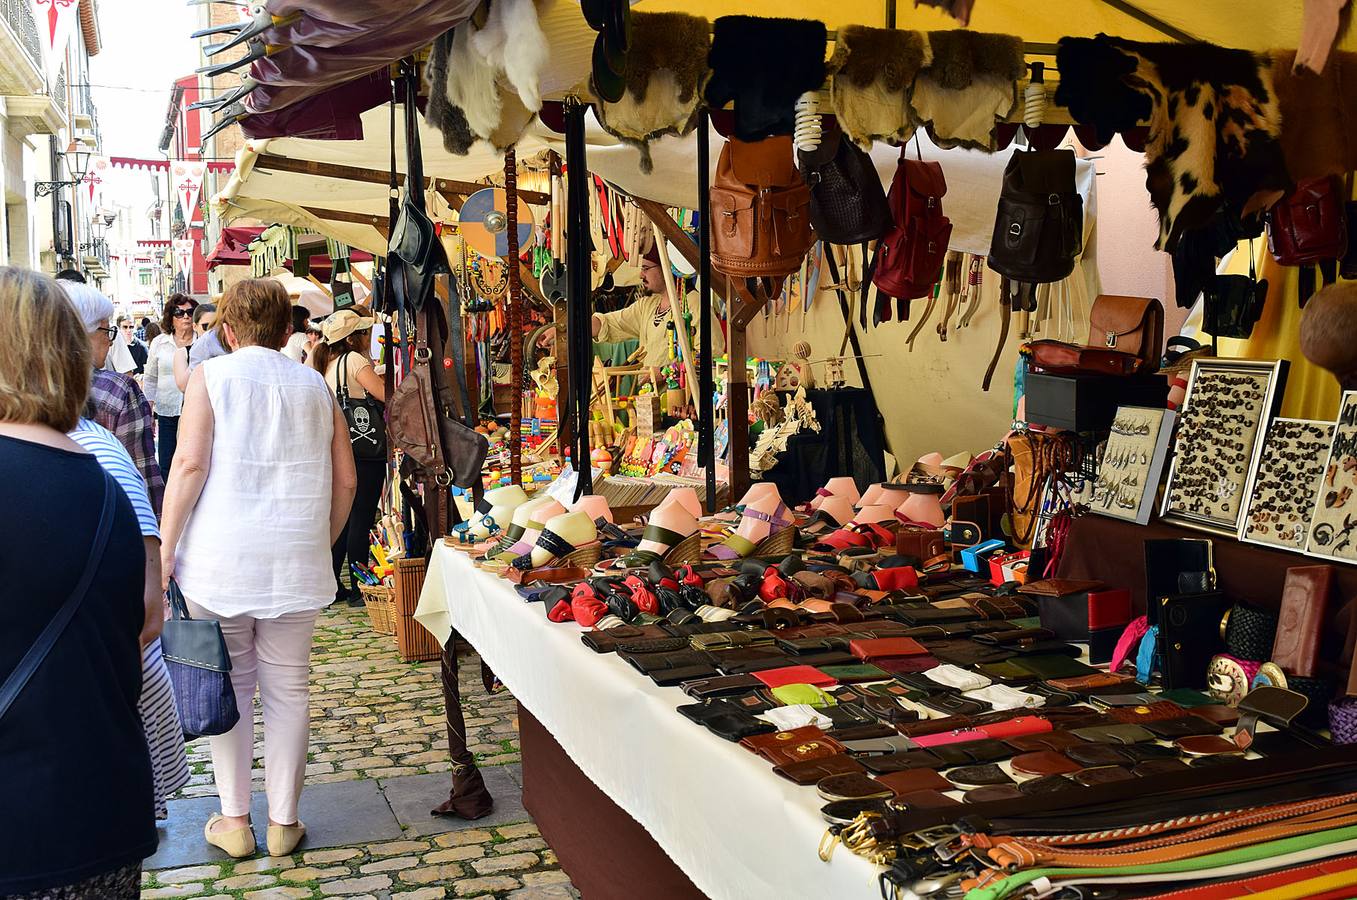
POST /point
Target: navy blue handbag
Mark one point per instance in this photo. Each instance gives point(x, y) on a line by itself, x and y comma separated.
point(200, 669)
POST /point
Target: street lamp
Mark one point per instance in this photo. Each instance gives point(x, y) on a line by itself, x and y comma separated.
point(77, 163)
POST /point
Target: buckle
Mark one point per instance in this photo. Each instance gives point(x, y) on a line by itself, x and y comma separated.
point(1015, 229)
point(443, 478)
point(423, 354)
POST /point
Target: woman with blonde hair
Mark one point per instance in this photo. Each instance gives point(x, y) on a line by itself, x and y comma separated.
point(262, 485)
point(344, 357)
point(70, 624)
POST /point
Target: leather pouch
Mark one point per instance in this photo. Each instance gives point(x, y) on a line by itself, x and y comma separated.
point(911, 780)
point(1133, 325)
point(1052, 666)
point(1044, 762)
point(725, 720)
point(1189, 635)
point(1114, 734)
point(1305, 603)
point(814, 770)
point(979, 775)
point(724, 686)
point(871, 649)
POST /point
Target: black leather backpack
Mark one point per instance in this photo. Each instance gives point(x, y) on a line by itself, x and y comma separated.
point(847, 202)
point(1039, 230)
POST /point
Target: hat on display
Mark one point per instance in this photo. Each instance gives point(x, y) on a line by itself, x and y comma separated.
point(596, 505)
point(339, 325)
point(561, 537)
point(496, 510)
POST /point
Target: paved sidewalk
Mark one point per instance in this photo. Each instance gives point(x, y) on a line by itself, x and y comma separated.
point(377, 764)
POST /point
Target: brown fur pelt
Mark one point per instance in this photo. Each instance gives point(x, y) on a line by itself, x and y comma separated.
point(961, 56)
point(873, 75)
point(1214, 121)
point(666, 70)
point(970, 83)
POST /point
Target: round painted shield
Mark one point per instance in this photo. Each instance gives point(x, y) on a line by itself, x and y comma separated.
point(485, 227)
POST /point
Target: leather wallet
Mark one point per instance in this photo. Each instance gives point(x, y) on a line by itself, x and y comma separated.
point(1206, 745)
point(1113, 734)
point(1173, 563)
point(1152, 712)
point(746, 660)
point(977, 776)
point(680, 674)
point(1189, 635)
point(911, 780)
point(1140, 753)
point(1102, 775)
point(1094, 755)
point(899, 762)
point(950, 704)
point(820, 660)
point(931, 615)
point(1224, 716)
point(972, 752)
point(1018, 726)
point(1089, 683)
point(799, 645)
point(847, 716)
point(646, 663)
point(1047, 784)
point(816, 769)
point(1044, 762)
point(795, 745)
point(926, 800)
point(905, 665)
point(1005, 672)
point(727, 640)
point(1305, 603)
point(1014, 636)
point(853, 786)
point(1052, 666)
point(877, 746)
point(1058, 587)
point(1158, 767)
point(870, 649)
point(849, 674)
point(722, 686)
point(994, 793)
point(865, 733)
point(1051, 740)
point(753, 702)
point(889, 710)
point(1187, 726)
point(795, 675)
point(725, 720)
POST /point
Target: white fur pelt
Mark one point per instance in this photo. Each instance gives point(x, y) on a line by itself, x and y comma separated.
point(513, 42)
point(471, 84)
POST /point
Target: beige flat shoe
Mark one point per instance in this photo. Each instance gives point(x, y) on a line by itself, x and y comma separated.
point(283, 839)
point(238, 843)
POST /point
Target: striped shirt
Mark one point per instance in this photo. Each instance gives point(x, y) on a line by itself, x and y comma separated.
point(116, 461)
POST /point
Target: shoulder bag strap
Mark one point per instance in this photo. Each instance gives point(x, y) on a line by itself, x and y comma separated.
point(414, 155)
point(457, 344)
point(18, 679)
point(342, 379)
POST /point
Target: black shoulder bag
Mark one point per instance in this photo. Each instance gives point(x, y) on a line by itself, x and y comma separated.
point(415, 256)
point(367, 427)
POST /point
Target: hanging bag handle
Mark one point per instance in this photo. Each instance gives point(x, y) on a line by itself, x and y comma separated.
point(47, 638)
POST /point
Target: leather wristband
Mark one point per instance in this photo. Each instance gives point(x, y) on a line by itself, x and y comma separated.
point(1250, 633)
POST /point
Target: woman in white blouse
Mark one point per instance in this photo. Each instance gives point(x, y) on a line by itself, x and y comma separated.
point(167, 400)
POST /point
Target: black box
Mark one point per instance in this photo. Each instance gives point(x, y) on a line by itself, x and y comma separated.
point(1089, 402)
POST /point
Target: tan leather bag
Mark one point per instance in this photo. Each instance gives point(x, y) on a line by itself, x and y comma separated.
point(760, 216)
point(1133, 325)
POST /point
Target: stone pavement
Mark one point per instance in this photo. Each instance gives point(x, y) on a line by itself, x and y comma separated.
point(377, 765)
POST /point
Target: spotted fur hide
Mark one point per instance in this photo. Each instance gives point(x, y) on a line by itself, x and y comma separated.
point(1214, 121)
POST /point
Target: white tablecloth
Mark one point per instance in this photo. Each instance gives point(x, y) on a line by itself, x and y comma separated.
point(735, 829)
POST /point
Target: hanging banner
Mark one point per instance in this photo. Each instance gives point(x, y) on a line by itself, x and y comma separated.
point(94, 178)
point(187, 178)
point(183, 257)
point(56, 20)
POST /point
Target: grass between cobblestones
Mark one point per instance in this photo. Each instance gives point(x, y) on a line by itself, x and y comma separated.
point(374, 716)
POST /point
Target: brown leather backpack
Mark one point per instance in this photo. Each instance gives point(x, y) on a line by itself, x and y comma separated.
point(760, 211)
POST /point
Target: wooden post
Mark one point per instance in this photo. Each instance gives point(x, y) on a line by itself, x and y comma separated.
point(515, 318)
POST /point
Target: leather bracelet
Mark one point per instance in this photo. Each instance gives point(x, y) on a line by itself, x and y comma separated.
point(1249, 633)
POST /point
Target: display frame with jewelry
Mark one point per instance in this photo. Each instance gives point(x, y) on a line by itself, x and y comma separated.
point(1132, 464)
point(1333, 523)
point(1285, 483)
point(1221, 426)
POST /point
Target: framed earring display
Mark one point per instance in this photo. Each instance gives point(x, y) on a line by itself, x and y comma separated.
point(1333, 520)
point(1132, 464)
point(1224, 418)
point(1282, 494)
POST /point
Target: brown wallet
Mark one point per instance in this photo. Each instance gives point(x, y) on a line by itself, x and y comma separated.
point(910, 780)
point(797, 745)
point(816, 769)
point(1058, 587)
point(1305, 601)
point(1044, 762)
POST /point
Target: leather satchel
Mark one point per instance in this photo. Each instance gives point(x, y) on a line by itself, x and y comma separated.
point(847, 202)
point(1061, 358)
point(760, 211)
point(1039, 229)
point(910, 256)
point(1309, 225)
point(1133, 325)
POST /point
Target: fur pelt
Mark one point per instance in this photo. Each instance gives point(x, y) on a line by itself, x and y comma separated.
point(970, 83)
point(874, 71)
point(665, 72)
point(512, 42)
point(441, 112)
point(764, 65)
point(1320, 112)
point(1214, 121)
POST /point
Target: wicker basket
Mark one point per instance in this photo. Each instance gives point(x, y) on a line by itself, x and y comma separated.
point(412, 639)
point(381, 608)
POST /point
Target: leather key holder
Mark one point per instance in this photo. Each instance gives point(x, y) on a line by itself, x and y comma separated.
point(1276, 706)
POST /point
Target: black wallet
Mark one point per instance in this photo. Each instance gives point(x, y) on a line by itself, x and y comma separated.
point(726, 720)
point(1189, 635)
point(1176, 566)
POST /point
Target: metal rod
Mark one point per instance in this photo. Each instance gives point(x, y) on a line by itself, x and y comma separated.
point(1153, 21)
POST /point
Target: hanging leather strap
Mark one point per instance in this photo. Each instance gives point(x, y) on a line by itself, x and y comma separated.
point(1005, 312)
point(850, 336)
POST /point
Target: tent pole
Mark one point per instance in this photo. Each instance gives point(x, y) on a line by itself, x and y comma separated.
point(580, 307)
point(890, 13)
point(1145, 18)
point(706, 447)
point(515, 317)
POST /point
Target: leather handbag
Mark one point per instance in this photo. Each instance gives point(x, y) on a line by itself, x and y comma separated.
point(1133, 325)
point(1062, 358)
point(367, 428)
point(1234, 303)
point(1039, 229)
point(1308, 226)
point(760, 211)
point(847, 202)
point(415, 256)
point(200, 670)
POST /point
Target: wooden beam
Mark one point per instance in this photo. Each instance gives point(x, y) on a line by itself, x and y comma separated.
point(353, 218)
point(444, 186)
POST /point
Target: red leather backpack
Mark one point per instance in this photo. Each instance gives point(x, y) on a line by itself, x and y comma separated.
point(911, 254)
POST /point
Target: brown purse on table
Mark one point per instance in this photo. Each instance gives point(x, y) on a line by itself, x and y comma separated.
point(1126, 337)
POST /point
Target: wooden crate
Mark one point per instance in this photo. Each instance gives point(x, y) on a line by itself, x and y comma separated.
point(380, 607)
point(412, 639)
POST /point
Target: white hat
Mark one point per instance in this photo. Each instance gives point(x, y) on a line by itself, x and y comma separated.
point(339, 325)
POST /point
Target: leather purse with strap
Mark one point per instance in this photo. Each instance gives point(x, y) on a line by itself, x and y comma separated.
point(1133, 325)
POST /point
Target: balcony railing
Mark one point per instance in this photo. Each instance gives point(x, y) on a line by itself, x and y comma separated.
point(19, 15)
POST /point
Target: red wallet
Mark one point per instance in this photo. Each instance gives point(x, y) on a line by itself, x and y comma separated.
point(795, 675)
point(900, 578)
point(1016, 727)
point(869, 649)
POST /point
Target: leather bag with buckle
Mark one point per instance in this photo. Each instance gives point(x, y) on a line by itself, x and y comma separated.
point(760, 216)
point(415, 256)
point(1309, 226)
point(910, 257)
point(1039, 230)
point(1133, 325)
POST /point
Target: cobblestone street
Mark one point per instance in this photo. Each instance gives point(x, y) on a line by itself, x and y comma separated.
point(376, 720)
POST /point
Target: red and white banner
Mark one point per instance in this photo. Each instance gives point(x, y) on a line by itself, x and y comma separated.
point(187, 177)
point(183, 256)
point(56, 21)
point(95, 177)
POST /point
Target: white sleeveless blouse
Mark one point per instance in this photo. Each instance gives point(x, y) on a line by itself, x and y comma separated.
point(258, 541)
